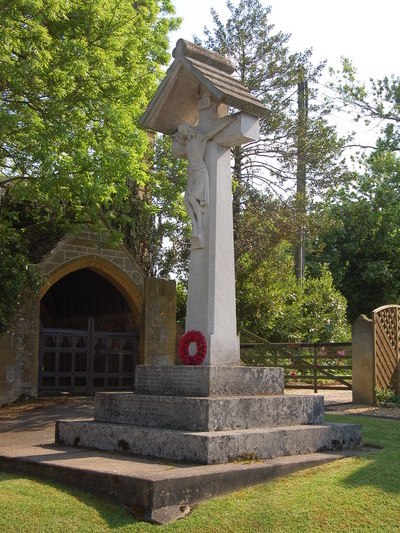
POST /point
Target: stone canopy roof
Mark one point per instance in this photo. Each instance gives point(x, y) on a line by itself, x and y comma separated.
point(194, 70)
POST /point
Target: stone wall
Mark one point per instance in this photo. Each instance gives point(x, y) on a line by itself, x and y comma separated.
point(157, 342)
point(18, 351)
point(91, 244)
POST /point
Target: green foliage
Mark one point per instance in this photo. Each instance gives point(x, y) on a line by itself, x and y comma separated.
point(75, 77)
point(360, 238)
point(271, 301)
point(324, 309)
point(169, 176)
point(152, 220)
point(277, 308)
point(15, 272)
point(383, 396)
point(380, 99)
point(265, 65)
point(181, 300)
point(275, 305)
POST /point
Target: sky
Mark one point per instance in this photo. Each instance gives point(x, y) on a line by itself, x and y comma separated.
point(366, 31)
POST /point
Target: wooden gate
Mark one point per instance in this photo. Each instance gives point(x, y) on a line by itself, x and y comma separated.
point(386, 321)
point(322, 365)
point(86, 361)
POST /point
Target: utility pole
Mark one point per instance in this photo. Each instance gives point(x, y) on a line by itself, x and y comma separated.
point(301, 175)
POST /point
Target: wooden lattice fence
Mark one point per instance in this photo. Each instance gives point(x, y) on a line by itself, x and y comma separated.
point(386, 322)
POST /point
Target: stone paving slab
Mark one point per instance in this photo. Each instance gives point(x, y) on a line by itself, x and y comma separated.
point(331, 396)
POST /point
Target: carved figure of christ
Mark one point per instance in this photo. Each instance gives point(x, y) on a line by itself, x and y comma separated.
point(196, 197)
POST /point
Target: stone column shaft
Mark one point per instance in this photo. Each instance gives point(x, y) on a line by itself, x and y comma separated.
point(211, 296)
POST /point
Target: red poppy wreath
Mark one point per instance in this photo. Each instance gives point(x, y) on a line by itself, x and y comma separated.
point(184, 345)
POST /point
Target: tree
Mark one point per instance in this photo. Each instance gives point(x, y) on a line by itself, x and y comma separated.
point(170, 177)
point(266, 67)
point(74, 78)
point(376, 103)
point(14, 272)
point(361, 240)
point(380, 101)
point(296, 145)
point(153, 221)
point(275, 305)
point(271, 301)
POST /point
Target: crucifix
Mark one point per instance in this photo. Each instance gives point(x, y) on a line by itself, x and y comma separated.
point(192, 106)
point(211, 306)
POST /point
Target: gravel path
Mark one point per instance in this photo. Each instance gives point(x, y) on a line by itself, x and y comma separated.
point(331, 396)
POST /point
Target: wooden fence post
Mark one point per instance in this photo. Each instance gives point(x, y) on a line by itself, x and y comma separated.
point(315, 368)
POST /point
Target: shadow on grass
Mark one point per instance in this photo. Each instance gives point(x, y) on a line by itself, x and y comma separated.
point(382, 465)
point(112, 514)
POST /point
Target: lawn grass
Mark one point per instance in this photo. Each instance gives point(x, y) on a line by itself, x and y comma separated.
point(359, 494)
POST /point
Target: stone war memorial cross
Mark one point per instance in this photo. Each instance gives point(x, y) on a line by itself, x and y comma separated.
point(217, 411)
point(192, 105)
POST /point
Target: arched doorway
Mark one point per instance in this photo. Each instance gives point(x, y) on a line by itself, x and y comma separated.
point(88, 336)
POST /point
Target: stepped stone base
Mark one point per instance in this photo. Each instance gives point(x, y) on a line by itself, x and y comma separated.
point(209, 447)
point(208, 414)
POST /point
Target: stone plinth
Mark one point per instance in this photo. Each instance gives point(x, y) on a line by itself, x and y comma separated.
point(208, 414)
point(209, 380)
